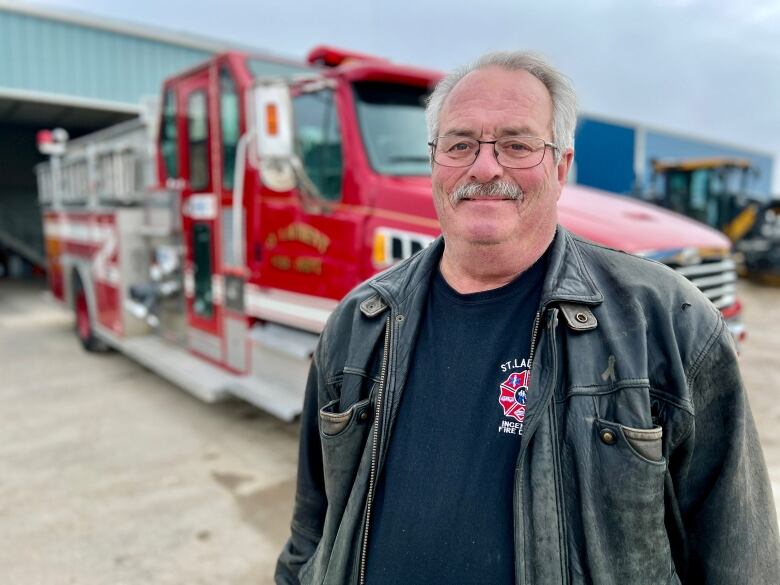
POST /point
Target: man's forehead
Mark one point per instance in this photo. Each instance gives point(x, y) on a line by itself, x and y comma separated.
point(476, 132)
point(495, 83)
point(516, 100)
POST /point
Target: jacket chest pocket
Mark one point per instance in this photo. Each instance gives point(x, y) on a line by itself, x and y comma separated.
point(343, 435)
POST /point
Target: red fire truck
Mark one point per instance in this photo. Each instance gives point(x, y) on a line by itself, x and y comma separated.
point(211, 241)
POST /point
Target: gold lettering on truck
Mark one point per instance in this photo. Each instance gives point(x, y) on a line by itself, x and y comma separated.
point(308, 265)
point(281, 262)
point(304, 234)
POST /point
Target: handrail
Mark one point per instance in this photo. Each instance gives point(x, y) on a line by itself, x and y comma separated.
point(238, 199)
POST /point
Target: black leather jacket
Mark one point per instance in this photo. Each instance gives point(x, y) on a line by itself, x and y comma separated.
point(640, 463)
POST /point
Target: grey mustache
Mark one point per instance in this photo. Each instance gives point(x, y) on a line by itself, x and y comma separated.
point(503, 189)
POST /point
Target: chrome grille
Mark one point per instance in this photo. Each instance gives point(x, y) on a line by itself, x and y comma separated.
point(715, 277)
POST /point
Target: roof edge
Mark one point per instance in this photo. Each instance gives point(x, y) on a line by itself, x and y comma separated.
point(59, 99)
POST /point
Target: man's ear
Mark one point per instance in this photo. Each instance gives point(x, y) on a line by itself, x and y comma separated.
point(564, 165)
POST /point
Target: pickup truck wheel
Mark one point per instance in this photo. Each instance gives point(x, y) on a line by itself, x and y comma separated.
point(84, 329)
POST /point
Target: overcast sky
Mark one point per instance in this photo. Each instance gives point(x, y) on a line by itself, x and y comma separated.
point(705, 67)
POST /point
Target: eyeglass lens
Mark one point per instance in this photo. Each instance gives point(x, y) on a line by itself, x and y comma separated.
point(518, 152)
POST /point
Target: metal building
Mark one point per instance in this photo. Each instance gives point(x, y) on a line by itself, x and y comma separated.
point(67, 70)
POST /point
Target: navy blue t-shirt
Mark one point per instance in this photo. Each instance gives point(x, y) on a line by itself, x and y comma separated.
point(443, 506)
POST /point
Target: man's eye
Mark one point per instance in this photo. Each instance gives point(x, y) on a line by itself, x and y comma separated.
point(518, 146)
point(460, 147)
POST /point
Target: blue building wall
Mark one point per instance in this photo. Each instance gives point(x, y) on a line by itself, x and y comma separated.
point(605, 155)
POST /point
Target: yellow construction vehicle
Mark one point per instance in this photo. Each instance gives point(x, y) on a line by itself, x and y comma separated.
point(716, 191)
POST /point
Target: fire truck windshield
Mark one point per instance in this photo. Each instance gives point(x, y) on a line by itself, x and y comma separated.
point(392, 123)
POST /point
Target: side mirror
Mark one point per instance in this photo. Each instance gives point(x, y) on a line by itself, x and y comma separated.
point(274, 142)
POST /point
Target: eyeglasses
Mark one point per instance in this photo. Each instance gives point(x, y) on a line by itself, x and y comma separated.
point(513, 152)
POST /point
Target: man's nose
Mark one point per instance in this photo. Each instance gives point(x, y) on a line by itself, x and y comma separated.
point(485, 168)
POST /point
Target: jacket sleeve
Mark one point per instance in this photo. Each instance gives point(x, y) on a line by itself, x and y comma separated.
point(310, 501)
point(720, 478)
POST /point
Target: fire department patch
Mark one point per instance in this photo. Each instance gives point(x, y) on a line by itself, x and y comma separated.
point(512, 397)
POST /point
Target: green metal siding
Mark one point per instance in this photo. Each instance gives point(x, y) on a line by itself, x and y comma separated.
point(50, 56)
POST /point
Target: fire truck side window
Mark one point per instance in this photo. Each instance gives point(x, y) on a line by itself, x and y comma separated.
point(228, 113)
point(201, 237)
point(169, 136)
point(319, 141)
point(197, 129)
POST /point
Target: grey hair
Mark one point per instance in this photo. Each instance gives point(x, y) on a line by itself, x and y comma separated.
point(564, 100)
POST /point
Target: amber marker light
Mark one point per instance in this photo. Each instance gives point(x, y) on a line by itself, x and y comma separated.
point(380, 257)
point(271, 119)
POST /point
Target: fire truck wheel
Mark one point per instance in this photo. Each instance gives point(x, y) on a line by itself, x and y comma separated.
point(84, 324)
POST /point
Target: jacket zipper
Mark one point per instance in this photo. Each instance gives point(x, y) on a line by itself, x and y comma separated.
point(519, 576)
point(557, 460)
point(374, 452)
point(534, 336)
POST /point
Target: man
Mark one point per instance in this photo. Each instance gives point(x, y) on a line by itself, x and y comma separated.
point(514, 404)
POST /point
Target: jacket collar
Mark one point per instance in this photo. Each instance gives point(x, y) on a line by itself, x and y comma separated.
point(567, 279)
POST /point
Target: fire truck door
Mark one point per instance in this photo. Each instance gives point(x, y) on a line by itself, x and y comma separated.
point(235, 325)
point(200, 222)
point(309, 246)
